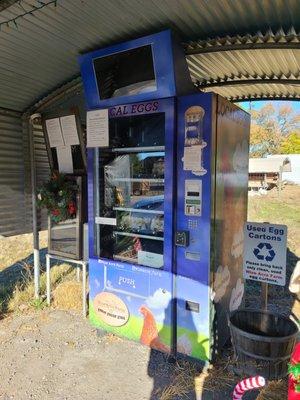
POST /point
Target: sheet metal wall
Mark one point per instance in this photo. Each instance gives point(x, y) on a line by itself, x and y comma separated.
point(42, 173)
point(15, 183)
point(12, 173)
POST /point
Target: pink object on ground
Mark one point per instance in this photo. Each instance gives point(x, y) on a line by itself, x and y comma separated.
point(292, 394)
point(247, 384)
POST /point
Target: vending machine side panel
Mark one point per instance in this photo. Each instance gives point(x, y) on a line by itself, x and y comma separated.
point(231, 196)
point(193, 225)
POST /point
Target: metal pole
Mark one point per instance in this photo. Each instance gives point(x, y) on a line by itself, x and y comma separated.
point(264, 291)
point(78, 273)
point(264, 296)
point(48, 279)
point(35, 230)
point(84, 289)
point(280, 180)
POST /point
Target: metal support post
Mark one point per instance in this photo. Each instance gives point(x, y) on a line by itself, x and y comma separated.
point(280, 180)
point(264, 296)
point(48, 279)
point(78, 263)
point(35, 230)
point(78, 273)
point(84, 289)
point(264, 291)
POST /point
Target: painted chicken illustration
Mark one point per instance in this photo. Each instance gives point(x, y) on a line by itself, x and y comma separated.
point(150, 336)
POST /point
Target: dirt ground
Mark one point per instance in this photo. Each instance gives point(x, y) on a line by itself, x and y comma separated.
point(57, 355)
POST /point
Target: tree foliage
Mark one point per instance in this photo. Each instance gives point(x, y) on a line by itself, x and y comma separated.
point(272, 128)
point(291, 144)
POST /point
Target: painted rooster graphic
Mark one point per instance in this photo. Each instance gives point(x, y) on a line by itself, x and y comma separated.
point(150, 336)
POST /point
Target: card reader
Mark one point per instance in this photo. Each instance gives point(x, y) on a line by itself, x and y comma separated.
point(182, 238)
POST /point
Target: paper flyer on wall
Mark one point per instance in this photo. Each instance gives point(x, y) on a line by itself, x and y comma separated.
point(64, 158)
point(69, 130)
point(97, 128)
point(54, 132)
point(192, 158)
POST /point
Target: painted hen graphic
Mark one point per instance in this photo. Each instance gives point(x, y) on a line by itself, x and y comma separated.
point(149, 335)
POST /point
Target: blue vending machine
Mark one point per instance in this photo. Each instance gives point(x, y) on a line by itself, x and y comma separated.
point(167, 199)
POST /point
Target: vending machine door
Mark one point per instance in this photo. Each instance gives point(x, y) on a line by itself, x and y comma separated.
point(131, 223)
point(133, 187)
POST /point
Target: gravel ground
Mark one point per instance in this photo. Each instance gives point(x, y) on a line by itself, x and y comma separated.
point(57, 355)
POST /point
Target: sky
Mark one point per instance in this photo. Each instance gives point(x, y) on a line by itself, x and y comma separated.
point(256, 105)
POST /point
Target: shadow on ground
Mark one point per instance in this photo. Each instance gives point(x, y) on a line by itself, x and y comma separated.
point(16, 274)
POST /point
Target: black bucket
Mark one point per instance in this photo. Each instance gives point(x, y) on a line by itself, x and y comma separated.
point(263, 342)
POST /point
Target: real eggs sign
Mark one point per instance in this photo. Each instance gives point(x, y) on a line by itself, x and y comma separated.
point(265, 252)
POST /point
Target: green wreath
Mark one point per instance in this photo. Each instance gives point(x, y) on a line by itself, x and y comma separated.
point(58, 196)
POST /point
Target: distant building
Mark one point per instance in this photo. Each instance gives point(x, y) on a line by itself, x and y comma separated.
point(292, 176)
point(267, 172)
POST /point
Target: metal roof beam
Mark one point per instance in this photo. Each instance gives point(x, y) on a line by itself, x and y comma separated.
point(243, 46)
point(288, 39)
point(264, 98)
point(240, 82)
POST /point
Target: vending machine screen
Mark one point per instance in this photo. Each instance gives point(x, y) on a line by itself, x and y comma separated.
point(126, 73)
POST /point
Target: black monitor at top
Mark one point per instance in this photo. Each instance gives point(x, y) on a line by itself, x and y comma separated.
point(147, 68)
point(125, 73)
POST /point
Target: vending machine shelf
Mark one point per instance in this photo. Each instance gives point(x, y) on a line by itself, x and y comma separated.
point(138, 210)
point(139, 235)
point(126, 258)
point(137, 149)
point(149, 180)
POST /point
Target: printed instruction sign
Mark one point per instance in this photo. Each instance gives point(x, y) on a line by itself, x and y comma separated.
point(192, 158)
point(193, 197)
point(69, 130)
point(54, 132)
point(62, 131)
point(265, 253)
point(64, 158)
point(97, 128)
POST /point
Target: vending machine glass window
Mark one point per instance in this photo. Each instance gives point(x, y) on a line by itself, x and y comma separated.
point(129, 198)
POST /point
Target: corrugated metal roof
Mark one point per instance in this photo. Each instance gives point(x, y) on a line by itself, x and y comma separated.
point(245, 64)
point(250, 66)
point(265, 165)
point(257, 91)
point(41, 52)
point(6, 3)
